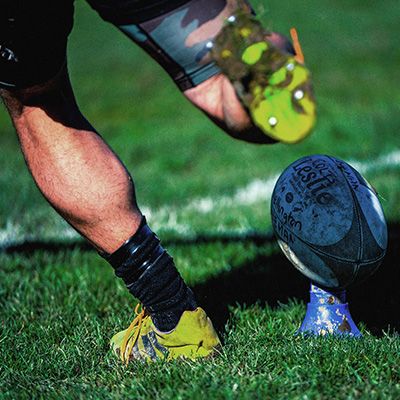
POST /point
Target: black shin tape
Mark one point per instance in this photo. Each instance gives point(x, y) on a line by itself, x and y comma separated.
point(150, 275)
point(136, 254)
point(159, 279)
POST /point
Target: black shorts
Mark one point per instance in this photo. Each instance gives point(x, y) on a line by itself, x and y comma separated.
point(33, 40)
point(34, 34)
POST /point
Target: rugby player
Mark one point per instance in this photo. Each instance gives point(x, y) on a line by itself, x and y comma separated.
point(84, 180)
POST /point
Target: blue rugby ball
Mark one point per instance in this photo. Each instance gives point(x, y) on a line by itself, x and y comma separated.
point(328, 221)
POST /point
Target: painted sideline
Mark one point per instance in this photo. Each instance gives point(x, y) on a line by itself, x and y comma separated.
point(256, 191)
point(167, 218)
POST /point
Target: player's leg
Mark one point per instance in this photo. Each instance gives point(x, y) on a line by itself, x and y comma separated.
point(54, 136)
point(217, 98)
point(88, 185)
point(75, 170)
point(85, 181)
point(179, 36)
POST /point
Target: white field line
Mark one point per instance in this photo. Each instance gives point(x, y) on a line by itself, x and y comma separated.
point(167, 217)
point(256, 191)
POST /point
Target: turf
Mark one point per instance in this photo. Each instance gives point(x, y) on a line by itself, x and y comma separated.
point(59, 303)
point(54, 343)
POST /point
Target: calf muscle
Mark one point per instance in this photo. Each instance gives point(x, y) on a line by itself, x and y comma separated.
point(74, 168)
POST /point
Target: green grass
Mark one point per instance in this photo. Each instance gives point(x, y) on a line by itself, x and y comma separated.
point(353, 56)
point(59, 306)
point(60, 311)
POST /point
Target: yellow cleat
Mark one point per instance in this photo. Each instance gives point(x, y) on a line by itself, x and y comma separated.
point(273, 85)
point(193, 337)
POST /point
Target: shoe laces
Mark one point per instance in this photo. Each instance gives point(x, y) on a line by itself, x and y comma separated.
point(130, 339)
point(299, 57)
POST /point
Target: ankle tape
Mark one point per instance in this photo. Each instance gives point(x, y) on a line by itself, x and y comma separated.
point(150, 274)
point(136, 255)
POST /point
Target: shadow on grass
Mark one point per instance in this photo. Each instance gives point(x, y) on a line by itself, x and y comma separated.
point(272, 279)
point(28, 247)
point(266, 279)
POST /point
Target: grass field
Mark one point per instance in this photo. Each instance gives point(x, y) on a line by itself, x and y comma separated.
point(207, 196)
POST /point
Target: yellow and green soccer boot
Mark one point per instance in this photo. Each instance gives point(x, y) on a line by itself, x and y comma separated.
point(273, 85)
point(193, 337)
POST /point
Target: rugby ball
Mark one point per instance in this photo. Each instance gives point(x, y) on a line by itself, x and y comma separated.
point(328, 221)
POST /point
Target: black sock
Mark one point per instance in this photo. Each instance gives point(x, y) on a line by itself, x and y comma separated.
point(150, 275)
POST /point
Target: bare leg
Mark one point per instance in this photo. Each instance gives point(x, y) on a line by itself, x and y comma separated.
point(178, 41)
point(74, 168)
point(217, 98)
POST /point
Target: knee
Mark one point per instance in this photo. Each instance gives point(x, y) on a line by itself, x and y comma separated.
point(16, 100)
point(44, 96)
point(217, 98)
point(53, 100)
point(12, 102)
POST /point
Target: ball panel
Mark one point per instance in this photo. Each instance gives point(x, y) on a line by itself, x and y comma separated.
point(368, 202)
point(315, 269)
point(371, 248)
point(344, 272)
point(311, 201)
point(367, 269)
point(341, 250)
